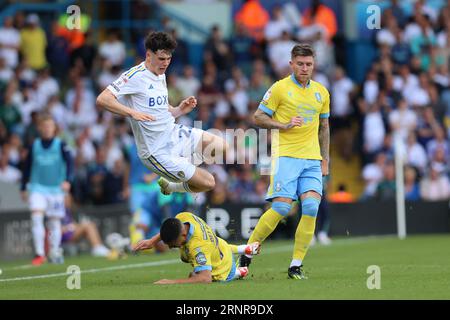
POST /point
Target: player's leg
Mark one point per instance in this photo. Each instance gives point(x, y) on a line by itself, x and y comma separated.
point(37, 207)
point(282, 191)
point(310, 189)
point(55, 212)
point(210, 148)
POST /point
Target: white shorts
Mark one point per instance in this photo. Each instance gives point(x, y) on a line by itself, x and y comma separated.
point(51, 204)
point(174, 159)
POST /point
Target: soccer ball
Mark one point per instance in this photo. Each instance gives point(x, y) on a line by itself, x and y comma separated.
point(118, 244)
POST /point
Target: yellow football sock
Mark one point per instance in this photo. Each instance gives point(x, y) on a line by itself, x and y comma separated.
point(303, 236)
point(265, 226)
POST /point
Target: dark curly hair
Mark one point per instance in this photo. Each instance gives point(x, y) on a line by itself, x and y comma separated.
point(170, 230)
point(160, 41)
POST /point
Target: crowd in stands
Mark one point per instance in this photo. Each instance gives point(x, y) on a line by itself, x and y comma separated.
point(405, 93)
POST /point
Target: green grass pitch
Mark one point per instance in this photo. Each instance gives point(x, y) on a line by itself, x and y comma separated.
point(415, 268)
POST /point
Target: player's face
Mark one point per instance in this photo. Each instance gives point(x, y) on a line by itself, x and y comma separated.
point(47, 129)
point(178, 242)
point(302, 67)
point(159, 61)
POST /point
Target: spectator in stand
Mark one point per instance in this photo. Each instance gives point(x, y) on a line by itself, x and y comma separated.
point(412, 190)
point(8, 173)
point(439, 142)
point(386, 189)
point(426, 126)
point(435, 186)
point(113, 49)
point(254, 17)
point(402, 120)
point(415, 153)
point(9, 43)
point(373, 174)
point(277, 24)
point(80, 100)
point(219, 52)
point(33, 43)
point(341, 112)
point(96, 175)
point(279, 53)
point(244, 49)
point(322, 15)
point(374, 129)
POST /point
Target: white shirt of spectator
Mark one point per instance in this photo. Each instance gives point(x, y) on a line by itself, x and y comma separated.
point(9, 36)
point(114, 52)
point(188, 86)
point(385, 36)
point(142, 90)
point(46, 88)
point(86, 114)
point(274, 29)
point(438, 189)
point(341, 89)
point(372, 174)
point(418, 98)
point(370, 91)
point(280, 54)
point(416, 156)
point(374, 131)
point(406, 120)
point(6, 74)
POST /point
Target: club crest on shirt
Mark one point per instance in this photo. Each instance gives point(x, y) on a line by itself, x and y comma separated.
point(200, 258)
point(267, 95)
point(318, 97)
point(278, 187)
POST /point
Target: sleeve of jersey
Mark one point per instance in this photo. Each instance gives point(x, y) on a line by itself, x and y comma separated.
point(123, 85)
point(271, 100)
point(202, 257)
point(325, 112)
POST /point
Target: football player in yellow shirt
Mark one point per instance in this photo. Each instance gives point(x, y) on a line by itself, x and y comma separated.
point(299, 108)
point(210, 256)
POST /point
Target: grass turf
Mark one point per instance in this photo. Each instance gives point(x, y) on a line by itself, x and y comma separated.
point(414, 268)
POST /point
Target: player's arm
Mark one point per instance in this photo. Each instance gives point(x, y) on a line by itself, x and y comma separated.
point(264, 120)
point(69, 168)
point(147, 243)
point(185, 106)
point(108, 101)
point(324, 142)
point(203, 276)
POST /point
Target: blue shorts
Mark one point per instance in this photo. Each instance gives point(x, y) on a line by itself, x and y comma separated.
point(291, 177)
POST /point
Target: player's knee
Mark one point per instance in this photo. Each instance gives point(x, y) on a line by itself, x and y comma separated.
point(209, 183)
point(310, 206)
point(281, 208)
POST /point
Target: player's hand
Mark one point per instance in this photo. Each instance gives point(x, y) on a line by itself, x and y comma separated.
point(141, 116)
point(325, 167)
point(188, 104)
point(143, 245)
point(295, 122)
point(24, 195)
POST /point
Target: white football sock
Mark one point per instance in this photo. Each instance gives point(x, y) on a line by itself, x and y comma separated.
point(178, 187)
point(296, 263)
point(38, 231)
point(241, 249)
point(54, 226)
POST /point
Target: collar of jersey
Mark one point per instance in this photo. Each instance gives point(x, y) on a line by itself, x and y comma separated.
point(190, 233)
point(298, 83)
point(152, 75)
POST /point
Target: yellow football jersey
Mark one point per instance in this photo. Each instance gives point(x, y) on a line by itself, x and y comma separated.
point(286, 99)
point(204, 250)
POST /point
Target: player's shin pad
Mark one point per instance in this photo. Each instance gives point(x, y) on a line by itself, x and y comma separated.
point(303, 236)
point(265, 226)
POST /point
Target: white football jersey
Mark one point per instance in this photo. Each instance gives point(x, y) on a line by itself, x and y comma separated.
point(142, 90)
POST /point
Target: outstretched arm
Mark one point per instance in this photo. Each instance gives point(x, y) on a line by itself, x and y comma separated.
point(203, 276)
point(263, 120)
point(324, 142)
point(108, 101)
point(147, 244)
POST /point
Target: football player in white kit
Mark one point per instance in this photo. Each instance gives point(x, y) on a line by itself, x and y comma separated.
point(164, 147)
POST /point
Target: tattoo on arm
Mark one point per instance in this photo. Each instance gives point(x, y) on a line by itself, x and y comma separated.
point(263, 120)
point(324, 138)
